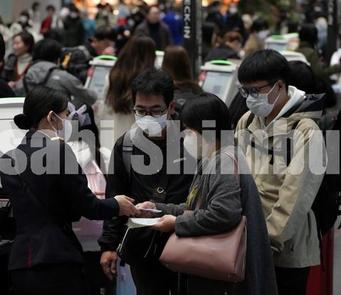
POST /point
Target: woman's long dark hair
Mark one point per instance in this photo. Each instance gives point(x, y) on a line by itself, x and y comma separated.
point(177, 63)
point(136, 56)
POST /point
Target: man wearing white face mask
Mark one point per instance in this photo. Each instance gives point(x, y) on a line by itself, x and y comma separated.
point(288, 176)
point(152, 93)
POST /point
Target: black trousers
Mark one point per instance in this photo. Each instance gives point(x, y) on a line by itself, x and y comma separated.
point(65, 279)
point(151, 278)
point(292, 281)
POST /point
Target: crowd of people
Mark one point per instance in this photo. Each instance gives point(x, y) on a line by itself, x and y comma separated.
point(177, 152)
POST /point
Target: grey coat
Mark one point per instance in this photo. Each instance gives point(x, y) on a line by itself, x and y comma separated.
point(59, 80)
point(222, 198)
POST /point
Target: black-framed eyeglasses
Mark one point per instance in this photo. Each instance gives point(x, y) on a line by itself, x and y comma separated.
point(253, 91)
point(156, 113)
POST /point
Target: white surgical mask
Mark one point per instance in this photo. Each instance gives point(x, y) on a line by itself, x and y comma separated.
point(260, 105)
point(263, 34)
point(192, 143)
point(151, 125)
point(66, 131)
point(233, 9)
point(23, 19)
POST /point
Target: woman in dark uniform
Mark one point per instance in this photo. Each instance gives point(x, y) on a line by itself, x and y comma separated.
point(48, 192)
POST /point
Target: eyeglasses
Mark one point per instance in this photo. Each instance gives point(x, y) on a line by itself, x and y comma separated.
point(253, 91)
point(156, 113)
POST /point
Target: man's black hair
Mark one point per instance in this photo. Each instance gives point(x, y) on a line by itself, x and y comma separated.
point(154, 82)
point(308, 33)
point(264, 65)
point(259, 25)
point(50, 7)
point(300, 69)
point(47, 50)
point(105, 33)
point(206, 107)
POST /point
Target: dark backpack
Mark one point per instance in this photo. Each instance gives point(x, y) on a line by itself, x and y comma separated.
point(328, 199)
point(75, 60)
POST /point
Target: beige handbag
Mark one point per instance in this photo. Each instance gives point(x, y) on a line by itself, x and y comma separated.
point(218, 257)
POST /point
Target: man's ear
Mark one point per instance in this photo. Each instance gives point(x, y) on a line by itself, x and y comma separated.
point(50, 118)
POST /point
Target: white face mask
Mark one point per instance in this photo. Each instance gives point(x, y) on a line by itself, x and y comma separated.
point(152, 126)
point(233, 9)
point(196, 145)
point(66, 131)
point(192, 143)
point(260, 105)
point(23, 19)
point(263, 34)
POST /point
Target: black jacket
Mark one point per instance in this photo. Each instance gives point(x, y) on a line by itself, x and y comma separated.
point(5, 90)
point(222, 52)
point(141, 187)
point(158, 32)
point(45, 203)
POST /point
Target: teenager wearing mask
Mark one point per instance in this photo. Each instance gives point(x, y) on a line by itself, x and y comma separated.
point(217, 200)
point(73, 33)
point(152, 95)
point(18, 63)
point(288, 176)
point(47, 196)
point(154, 28)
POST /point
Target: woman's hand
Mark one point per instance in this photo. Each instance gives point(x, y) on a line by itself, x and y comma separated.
point(165, 224)
point(127, 207)
point(145, 205)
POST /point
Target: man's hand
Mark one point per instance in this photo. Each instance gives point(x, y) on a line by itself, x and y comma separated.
point(127, 207)
point(108, 263)
point(165, 224)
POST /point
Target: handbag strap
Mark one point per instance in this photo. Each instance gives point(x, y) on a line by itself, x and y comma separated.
point(235, 165)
